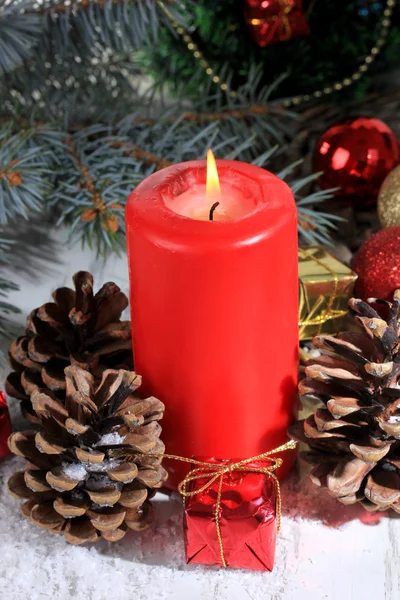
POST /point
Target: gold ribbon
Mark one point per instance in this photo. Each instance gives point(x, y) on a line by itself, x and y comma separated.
point(217, 471)
point(329, 312)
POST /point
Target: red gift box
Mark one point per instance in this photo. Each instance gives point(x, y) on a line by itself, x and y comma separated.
point(272, 21)
point(231, 519)
point(5, 426)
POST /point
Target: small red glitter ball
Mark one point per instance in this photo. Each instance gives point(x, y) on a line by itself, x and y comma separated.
point(356, 155)
point(377, 264)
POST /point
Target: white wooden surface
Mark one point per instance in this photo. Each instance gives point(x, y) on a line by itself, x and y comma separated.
point(315, 560)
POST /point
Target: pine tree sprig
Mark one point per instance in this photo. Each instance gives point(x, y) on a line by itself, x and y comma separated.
point(148, 158)
point(25, 175)
point(6, 308)
point(20, 32)
point(92, 188)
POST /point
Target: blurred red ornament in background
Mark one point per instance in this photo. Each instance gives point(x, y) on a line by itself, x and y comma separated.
point(356, 155)
point(272, 21)
point(377, 264)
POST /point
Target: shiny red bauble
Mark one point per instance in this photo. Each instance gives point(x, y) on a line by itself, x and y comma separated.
point(356, 155)
point(377, 264)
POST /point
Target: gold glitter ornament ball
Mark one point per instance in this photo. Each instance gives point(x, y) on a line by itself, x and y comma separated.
point(389, 199)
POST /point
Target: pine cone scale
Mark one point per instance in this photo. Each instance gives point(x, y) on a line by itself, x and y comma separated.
point(14, 387)
point(346, 478)
point(116, 534)
point(26, 508)
point(115, 331)
point(138, 519)
point(110, 303)
point(342, 407)
point(132, 495)
point(80, 531)
point(35, 480)
point(41, 350)
point(45, 516)
point(370, 454)
point(392, 429)
point(125, 472)
point(89, 456)
point(19, 351)
point(65, 298)
point(383, 487)
point(107, 520)
point(69, 507)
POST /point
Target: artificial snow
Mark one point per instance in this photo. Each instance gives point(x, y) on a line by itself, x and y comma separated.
point(394, 419)
point(76, 471)
point(111, 439)
point(106, 465)
point(312, 352)
point(38, 565)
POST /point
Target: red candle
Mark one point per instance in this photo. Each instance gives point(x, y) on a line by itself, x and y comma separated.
point(214, 307)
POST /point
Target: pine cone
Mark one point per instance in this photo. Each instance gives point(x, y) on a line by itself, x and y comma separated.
point(88, 473)
point(354, 438)
point(78, 328)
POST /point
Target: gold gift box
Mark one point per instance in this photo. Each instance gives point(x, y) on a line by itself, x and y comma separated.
point(326, 285)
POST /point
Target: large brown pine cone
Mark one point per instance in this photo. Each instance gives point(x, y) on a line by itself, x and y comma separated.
point(89, 474)
point(79, 328)
point(355, 437)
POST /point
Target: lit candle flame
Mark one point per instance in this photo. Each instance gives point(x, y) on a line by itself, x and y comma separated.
point(213, 189)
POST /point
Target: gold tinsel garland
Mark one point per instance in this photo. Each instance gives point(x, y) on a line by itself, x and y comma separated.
point(294, 100)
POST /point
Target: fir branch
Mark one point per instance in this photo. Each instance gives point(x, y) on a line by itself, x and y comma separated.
point(24, 174)
point(19, 33)
point(201, 118)
point(314, 226)
point(71, 89)
point(99, 166)
point(6, 286)
point(148, 158)
point(250, 108)
point(61, 7)
point(94, 26)
point(93, 189)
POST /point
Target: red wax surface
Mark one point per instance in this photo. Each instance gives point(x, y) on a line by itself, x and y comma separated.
point(215, 313)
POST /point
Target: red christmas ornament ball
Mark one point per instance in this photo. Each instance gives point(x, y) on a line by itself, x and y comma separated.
point(356, 155)
point(377, 264)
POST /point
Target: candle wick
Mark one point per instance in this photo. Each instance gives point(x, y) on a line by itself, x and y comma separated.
point(212, 209)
